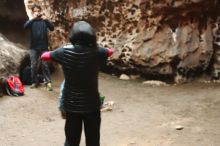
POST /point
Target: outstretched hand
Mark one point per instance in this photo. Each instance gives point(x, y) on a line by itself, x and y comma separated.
point(110, 52)
point(46, 56)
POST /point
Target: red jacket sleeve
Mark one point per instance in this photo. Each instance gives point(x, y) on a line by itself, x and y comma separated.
point(110, 52)
point(46, 56)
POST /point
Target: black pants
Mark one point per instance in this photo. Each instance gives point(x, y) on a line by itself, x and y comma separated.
point(73, 128)
point(36, 63)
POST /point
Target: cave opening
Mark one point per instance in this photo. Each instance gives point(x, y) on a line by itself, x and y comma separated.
point(12, 18)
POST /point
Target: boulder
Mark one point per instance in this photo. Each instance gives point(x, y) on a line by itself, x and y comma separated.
point(10, 57)
point(163, 37)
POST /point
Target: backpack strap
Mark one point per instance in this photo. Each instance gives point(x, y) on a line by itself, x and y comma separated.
point(8, 90)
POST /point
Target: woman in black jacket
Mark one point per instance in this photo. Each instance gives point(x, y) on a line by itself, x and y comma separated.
point(81, 63)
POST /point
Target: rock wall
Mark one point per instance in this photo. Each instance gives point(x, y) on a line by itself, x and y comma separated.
point(156, 37)
point(12, 18)
point(11, 57)
point(216, 56)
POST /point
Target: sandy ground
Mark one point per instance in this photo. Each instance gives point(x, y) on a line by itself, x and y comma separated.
point(142, 115)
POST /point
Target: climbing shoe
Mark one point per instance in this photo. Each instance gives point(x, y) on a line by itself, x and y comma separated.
point(49, 87)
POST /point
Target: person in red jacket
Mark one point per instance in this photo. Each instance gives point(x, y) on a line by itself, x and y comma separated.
point(80, 63)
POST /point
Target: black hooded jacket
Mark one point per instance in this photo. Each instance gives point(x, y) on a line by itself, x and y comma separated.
point(80, 63)
point(39, 29)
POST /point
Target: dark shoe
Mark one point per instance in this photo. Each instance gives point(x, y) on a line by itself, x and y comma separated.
point(34, 85)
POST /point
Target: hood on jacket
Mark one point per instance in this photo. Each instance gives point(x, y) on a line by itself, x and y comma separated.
point(82, 33)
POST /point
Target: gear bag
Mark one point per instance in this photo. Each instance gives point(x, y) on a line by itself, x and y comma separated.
point(14, 86)
point(2, 80)
point(25, 76)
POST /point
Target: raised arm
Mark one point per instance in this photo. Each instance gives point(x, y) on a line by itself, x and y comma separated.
point(28, 24)
point(55, 55)
point(110, 52)
point(46, 56)
point(104, 53)
point(49, 25)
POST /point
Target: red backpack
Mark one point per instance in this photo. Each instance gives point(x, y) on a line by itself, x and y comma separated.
point(14, 86)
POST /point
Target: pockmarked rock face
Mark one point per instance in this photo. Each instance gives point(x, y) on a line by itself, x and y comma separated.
point(157, 37)
point(10, 57)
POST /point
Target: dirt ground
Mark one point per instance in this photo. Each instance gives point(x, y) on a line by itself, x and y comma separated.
point(142, 115)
